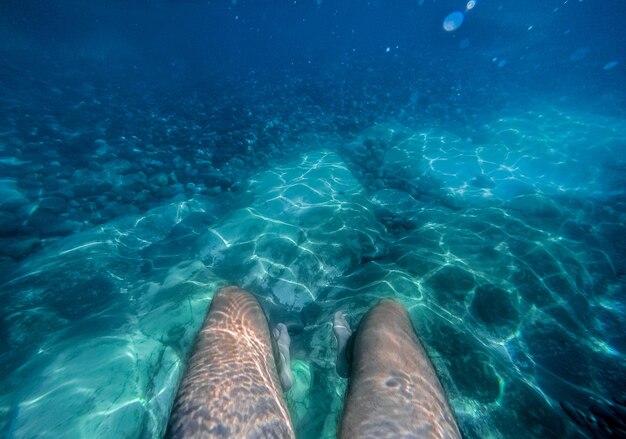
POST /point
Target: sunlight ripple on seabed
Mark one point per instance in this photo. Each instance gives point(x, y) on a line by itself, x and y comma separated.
point(499, 252)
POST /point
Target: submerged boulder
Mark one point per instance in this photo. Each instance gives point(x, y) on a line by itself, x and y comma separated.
point(308, 224)
point(10, 196)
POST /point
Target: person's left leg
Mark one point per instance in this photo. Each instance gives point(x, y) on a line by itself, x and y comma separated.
point(231, 388)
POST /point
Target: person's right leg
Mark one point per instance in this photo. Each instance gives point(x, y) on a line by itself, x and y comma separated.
point(393, 390)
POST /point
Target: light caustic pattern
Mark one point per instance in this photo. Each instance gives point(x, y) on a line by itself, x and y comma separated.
point(517, 282)
point(307, 225)
point(505, 288)
point(99, 331)
point(500, 243)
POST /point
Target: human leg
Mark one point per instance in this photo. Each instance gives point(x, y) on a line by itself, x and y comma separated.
point(231, 387)
point(393, 390)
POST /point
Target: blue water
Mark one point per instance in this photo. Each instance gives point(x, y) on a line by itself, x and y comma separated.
point(323, 155)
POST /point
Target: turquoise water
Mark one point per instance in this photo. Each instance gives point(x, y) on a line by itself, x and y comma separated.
point(480, 182)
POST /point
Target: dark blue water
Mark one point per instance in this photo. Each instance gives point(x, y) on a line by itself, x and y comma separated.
point(323, 155)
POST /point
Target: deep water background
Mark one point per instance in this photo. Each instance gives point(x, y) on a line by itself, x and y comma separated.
point(322, 155)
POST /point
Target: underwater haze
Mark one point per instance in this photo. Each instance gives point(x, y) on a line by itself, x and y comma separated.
point(465, 158)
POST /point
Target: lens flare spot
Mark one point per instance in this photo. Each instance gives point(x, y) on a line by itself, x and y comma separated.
point(453, 21)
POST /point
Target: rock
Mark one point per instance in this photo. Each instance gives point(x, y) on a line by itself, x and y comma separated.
point(535, 205)
point(159, 179)
point(53, 205)
point(101, 147)
point(95, 166)
point(511, 188)
point(40, 218)
point(134, 182)
point(126, 197)
point(18, 248)
point(48, 224)
point(494, 307)
point(91, 188)
point(120, 166)
point(7, 265)
point(51, 183)
point(166, 192)
point(483, 181)
point(12, 161)
point(393, 200)
point(10, 196)
point(9, 223)
point(114, 210)
point(142, 196)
